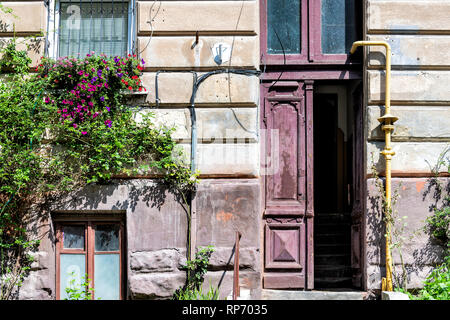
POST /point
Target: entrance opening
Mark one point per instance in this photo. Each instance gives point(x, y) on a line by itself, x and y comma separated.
point(333, 175)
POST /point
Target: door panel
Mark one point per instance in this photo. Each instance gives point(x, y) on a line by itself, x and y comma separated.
point(285, 143)
point(285, 187)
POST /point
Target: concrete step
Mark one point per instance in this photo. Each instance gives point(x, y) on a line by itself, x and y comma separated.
point(332, 259)
point(336, 228)
point(347, 294)
point(330, 238)
point(331, 217)
point(331, 248)
point(332, 271)
point(332, 282)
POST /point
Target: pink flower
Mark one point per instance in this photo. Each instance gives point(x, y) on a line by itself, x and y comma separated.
point(83, 133)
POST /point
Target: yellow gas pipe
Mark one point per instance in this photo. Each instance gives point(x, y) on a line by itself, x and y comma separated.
point(387, 122)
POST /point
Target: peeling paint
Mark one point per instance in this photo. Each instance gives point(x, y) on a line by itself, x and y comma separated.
point(224, 216)
point(420, 185)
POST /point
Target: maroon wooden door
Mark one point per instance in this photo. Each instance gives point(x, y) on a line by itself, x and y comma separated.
point(284, 168)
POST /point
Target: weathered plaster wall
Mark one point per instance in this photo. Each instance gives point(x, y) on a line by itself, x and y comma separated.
point(419, 35)
point(227, 115)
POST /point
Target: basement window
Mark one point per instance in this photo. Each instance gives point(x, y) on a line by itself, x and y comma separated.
point(93, 249)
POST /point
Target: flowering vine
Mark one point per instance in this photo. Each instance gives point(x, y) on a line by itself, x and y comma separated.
point(90, 89)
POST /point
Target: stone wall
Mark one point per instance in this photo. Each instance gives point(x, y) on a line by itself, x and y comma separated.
point(419, 35)
point(227, 121)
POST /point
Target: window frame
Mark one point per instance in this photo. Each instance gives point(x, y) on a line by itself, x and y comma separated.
point(53, 20)
point(315, 36)
point(278, 59)
point(89, 248)
point(311, 38)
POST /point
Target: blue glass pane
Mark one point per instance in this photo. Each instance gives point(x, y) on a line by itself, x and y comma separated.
point(73, 267)
point(107, 276)
point(107, 237)
point(73, 237)
point(283, 26)
point(338, 26)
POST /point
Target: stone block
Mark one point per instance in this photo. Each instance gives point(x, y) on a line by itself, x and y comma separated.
point(416, 197)
point(176, 88)
point(37, 286)
point(223, 281)
point(155, 285)
point(165, 260)
point(223, 258)
point(213, 124)
point(412, 51)
point(26, 17)
point(408, 16)
point(203, 16)
point(227, 206)
point(179, 54)
point(410, 86)
point(218, 159)
point(422, 123)
point(409, 157)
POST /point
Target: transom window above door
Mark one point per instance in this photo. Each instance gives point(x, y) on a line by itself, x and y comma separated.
point(305, 31)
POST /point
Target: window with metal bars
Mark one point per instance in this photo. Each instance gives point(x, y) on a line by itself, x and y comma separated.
point(101, 26)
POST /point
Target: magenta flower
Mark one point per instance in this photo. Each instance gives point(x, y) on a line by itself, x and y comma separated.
point(108, 123)
point(83, 133)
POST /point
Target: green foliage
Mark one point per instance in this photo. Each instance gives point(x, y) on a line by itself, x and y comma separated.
point(13, 60)
point(438, 224)
point(196, 270)
point(81, 292)
point(395, 228)
point(68, 125)
point(437, 284)
point(197, 294)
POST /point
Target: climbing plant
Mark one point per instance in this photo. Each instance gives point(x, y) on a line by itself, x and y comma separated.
point(65, 125)
point(398, 224)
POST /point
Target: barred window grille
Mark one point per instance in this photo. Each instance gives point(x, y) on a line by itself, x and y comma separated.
point(93, 25)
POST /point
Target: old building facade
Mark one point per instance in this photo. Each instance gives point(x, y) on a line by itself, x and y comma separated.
point(284, 153)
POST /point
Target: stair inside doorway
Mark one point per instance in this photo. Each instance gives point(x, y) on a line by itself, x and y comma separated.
point(332, 251)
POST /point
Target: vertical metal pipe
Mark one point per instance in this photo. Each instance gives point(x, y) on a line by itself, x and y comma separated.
point(387, 122)
point(236, 289)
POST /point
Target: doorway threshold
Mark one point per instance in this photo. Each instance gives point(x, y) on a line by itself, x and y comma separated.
point(329, 294)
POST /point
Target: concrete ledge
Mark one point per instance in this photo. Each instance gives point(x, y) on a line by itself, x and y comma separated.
point(388, 295)
point(267, 294)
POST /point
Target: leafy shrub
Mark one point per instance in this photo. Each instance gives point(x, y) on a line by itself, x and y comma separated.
point(81, 292)
point(196, 270)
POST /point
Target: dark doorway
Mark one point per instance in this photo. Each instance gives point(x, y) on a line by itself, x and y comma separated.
point(333, 136)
